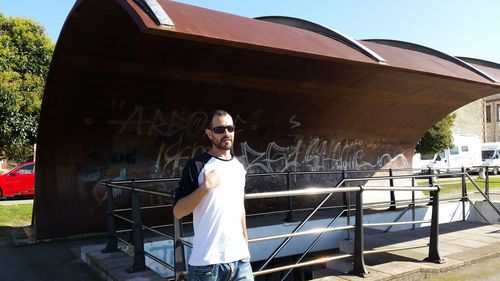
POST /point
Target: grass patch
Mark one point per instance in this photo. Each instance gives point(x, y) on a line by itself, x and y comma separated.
point(14, 215)
point(455, 185)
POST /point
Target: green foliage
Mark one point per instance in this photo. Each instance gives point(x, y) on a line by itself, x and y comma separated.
point(438, 137)
point(25, 54)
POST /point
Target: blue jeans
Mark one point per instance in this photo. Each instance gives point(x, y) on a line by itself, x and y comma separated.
point(238, 270)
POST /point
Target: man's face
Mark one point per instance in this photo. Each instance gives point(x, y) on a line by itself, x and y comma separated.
point(222, 140)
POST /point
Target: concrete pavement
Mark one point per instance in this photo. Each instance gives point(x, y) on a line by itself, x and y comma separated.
point(460, 244)
point(54, 261)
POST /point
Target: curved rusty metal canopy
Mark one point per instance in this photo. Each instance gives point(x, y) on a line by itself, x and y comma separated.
point(131, 83)
point(489, 67)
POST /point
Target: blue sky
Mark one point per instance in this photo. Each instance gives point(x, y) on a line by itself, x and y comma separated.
point(457, 27)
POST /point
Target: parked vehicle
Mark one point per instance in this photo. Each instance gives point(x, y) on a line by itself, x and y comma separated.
point(466, 152)
point(490, 154)
point(422, 162)
point(18, 181)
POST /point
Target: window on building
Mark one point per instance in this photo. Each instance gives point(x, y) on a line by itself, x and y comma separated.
point(465, 148)
point(498, 112)
point(488, 113)
point(454, 150)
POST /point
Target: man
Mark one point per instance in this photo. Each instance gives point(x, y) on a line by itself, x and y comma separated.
point(212, 188)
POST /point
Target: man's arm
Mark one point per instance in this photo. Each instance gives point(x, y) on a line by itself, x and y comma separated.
point(244, 225)
point(186, 205)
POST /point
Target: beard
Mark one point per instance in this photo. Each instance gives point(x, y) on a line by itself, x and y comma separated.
point(224, 143)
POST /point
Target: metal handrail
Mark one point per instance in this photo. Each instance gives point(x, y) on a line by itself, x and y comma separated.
point(164, 194)
point(158, 232)
point(477, 210)
point(125, 242)
point(303, 233)
point(412, 204)
point(328, 172)
point(175, 179)
point(145, 208)
point(332, 258)
point(328, 190)
point(318, 191)
point(141, 180)
point(165, 264)
point(308, 263)
point(118, 184)
point(368, 205)
point(124, 218)
point(313, 243)
point(299, 226)
point(484, 195)
point(395, 223)
point(124, 184)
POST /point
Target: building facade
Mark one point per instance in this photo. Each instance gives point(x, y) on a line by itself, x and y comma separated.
point(491, 117)
point(469, 120)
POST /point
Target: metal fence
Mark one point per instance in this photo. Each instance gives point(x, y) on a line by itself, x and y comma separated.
point(136, 238)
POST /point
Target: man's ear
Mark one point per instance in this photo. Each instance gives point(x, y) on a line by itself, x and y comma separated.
point(208, 132)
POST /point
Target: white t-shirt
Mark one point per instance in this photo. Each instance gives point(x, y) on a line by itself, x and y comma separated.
point(218, 231)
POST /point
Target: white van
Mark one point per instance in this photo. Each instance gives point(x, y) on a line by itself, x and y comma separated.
point(466, 153)
point(490, 153)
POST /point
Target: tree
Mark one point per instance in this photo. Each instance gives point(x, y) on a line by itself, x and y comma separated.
point(25, 55)
point(438, 137)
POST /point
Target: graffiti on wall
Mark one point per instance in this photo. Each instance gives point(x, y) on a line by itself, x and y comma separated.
point(175, 123)
point(313, 155)
point(178, 135)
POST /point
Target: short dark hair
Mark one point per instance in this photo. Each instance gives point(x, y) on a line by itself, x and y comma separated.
point(211, 115)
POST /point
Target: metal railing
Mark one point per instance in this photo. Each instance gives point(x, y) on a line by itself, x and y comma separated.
point(486, 169)
point(179, 267)
point(137, 239)
point(358, 267)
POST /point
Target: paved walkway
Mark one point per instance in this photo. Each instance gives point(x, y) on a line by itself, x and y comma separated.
point(54, 261)
point(488, 270)
point(460, 244)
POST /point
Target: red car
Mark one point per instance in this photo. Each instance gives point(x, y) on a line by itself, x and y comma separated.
point(18, 181)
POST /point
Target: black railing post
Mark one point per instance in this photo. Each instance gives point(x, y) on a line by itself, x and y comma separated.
point(112, 243)
point(359, 259)
point(392, 207)
point(179, 257)
point(487, 183)
point(434, 239)
point(139, 258)
point(464, 194)
point(431, 183)
point(289, 215)
point(413, 214)
point(347, 203)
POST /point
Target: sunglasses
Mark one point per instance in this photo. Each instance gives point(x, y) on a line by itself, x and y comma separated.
point(222, 129)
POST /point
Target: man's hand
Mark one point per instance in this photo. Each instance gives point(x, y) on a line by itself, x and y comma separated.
point(211, 180)
point(186, 205)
